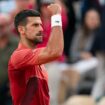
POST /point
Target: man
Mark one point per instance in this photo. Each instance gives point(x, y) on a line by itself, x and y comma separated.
point(28, 78)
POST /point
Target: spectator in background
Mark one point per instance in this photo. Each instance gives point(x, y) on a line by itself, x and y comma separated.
point(32, 4)
point(69, 31)
point(84, 37)
point(83, 58)
point(7, 44)
point(21, 5)
point(99, 48)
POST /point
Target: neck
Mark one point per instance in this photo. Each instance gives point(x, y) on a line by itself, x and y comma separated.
point(28, 44)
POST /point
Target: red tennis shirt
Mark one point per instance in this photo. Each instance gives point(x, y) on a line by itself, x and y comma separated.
point(28, 79)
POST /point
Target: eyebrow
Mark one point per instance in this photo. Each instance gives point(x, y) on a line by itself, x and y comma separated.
point(36, 23)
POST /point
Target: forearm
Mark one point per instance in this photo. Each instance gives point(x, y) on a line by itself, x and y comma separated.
point(56, 43)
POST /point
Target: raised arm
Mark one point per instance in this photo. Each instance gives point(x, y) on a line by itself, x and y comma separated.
point(55, 44)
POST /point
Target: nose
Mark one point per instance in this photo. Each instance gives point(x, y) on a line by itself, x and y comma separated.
point(41, 28)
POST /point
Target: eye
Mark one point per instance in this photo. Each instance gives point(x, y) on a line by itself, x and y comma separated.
point(36, 25)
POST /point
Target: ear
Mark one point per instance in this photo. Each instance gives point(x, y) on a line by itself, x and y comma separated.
point(21, 30)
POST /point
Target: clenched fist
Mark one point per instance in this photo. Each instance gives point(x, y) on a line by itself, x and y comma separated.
point(54, 9)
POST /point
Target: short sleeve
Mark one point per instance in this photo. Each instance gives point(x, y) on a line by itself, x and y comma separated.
point(25, 57)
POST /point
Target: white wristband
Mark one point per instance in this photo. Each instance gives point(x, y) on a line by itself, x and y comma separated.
point(56, 20)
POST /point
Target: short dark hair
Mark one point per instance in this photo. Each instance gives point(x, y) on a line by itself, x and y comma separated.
point(21, 17)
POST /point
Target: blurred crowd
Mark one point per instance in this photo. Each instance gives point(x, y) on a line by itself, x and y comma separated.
point(78, 77)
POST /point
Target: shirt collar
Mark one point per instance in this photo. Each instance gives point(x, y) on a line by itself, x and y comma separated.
point(21, 46)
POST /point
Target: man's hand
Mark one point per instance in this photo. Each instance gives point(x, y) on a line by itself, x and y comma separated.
point(54, 9)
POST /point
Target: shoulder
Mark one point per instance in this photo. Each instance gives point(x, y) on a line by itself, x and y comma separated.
point(20, 53)
point(19, 56)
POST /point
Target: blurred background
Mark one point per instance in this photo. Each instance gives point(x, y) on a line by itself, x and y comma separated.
point(78, 77)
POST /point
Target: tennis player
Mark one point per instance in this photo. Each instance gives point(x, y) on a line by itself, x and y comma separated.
point(27, 74)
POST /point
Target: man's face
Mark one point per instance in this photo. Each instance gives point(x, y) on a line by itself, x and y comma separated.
point(33, 30)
